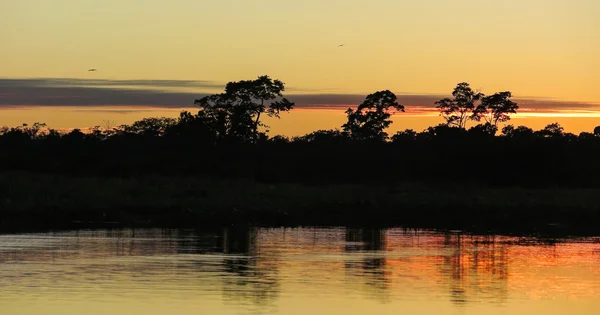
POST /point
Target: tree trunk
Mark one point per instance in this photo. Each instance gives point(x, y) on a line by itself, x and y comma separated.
point(262, 105)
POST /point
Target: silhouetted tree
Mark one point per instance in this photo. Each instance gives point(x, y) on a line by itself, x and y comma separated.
point(459, 110)
point(586, 136)
point(521, 131)
point(74, 137)
point(52, 134)
point(323, 136)
point(508, 130)
point(406, 135)
point(99, 133)
point(236, 112)
point(484, 129)
point(372, 117)
point(280, 139)
point(153, 127)
point(495, 108)
point(441, 131)
point(552, 130)
point(33, 130)
point(192, 145)
point(199, 128)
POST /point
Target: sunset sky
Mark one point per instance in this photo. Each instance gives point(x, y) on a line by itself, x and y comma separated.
point(155, 56)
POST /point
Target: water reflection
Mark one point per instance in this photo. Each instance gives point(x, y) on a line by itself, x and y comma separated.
point(249, 279)
point(371, 269)
point(294, 271)
point(476, 269)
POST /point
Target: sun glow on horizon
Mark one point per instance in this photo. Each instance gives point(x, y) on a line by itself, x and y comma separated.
point(298, 122)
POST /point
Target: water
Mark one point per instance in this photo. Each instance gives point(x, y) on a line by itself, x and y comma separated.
point(295, 271)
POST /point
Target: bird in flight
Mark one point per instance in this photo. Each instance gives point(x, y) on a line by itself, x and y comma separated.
point(341, 45)
point(93, 70)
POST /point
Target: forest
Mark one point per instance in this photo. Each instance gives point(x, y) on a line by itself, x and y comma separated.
point(225, 146)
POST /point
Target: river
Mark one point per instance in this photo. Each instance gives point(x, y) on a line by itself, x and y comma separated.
point(295, 271)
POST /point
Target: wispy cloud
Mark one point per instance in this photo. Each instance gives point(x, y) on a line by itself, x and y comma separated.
point(122, 111)
point(107, 83)
point(180, 94)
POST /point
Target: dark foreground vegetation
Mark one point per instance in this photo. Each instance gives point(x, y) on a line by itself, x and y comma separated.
point(219, 166)
point(58, 201)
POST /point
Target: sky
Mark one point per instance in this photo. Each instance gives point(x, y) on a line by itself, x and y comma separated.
point(157, 55)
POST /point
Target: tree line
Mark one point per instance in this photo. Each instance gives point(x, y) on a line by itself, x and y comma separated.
point(234, 116)
point(227, 138)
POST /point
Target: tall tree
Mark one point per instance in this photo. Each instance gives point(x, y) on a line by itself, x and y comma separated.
point(237, 112)
point(372, 117)
point(597, 131)
point(495, 108)
point(459, 110)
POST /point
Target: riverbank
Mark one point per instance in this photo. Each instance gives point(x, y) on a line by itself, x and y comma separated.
point(56, 201)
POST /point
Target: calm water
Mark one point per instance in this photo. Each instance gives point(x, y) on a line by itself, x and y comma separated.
point(295, 271)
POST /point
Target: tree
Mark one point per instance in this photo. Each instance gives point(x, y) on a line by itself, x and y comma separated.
point(405, 135)
point(552, 130)
point(597, 131)
point(441, 131)
point(521, 131)
point(495, 108)
point(372, 117)
point(484, 129)
point(32, 131)
point(459, 110)
point(236, 113)
point(74, 137)
point(586, 136)
point(153, 126)
point(197, 128)
point(332, 136)
point(279, 139)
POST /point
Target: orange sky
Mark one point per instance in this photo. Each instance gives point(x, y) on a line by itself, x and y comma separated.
point(84, 103)
point(298, 122)
point(544, 50)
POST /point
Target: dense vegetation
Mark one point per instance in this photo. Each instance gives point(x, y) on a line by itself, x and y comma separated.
point(226, 142)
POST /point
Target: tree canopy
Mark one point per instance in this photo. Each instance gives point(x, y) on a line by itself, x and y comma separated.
point(235, 114)
point(372, 116)
point(474, 105)
point(495, 108)
point(459, 110)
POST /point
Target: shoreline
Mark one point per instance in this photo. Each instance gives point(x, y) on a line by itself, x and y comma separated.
point(45, 201)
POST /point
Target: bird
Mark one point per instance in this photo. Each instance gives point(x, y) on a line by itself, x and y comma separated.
point(341, 45)
point(93, 70)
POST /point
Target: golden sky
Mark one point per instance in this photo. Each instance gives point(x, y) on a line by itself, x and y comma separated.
point(538, 49)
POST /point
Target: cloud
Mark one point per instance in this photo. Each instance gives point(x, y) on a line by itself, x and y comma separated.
point(178, 94)
point(125, 110)
point(106, 83)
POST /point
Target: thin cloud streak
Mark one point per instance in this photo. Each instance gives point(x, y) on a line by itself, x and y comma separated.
point(107, 83)
point(21, 93)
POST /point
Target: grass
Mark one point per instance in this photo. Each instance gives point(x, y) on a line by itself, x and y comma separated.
point(54, 201)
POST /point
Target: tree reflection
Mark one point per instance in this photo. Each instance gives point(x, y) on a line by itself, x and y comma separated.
point(249, 277)
point(476, 268)
point(372, 266)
